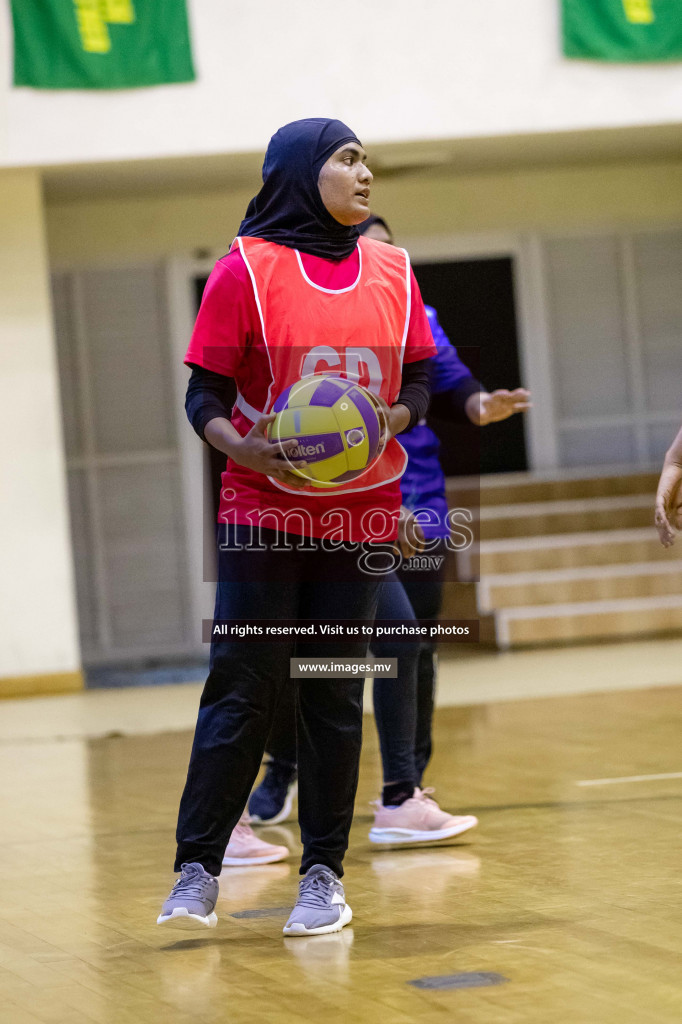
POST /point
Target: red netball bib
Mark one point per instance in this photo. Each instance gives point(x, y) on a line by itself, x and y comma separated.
point(357, 332)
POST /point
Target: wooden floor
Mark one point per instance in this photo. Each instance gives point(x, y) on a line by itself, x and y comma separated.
point(566, 901)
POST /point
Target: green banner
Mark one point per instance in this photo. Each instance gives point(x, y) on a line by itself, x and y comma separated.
point(100, 44)
point(623, 30)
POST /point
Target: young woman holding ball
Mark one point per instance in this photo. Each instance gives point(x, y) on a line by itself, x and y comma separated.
point(298, 293)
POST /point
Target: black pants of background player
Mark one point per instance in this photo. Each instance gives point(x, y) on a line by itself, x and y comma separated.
point(403, 707)
point(244, 686)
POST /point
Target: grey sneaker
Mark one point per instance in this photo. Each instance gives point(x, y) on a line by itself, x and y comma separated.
point(321, 905)
point(192, 900)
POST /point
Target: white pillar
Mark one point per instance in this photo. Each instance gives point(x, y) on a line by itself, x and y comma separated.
point(39, 649)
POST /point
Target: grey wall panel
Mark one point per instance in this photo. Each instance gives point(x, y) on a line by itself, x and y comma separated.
point(81, 539)
point(658, 264)
point(597, 446)
point(142, 554)
point(122, 457)
point(67, 356)
point(587, 336)
point(128, 360)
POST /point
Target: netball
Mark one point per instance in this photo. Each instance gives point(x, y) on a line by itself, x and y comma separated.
point(336, 423)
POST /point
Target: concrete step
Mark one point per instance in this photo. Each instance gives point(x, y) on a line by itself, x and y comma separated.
point(459, 602)
point(561, 551)
point(555, 485)
point(585, 583)
point(588, 620)
point(580, 515)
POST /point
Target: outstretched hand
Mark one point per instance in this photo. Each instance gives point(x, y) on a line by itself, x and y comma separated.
point(668, 508)
point(486, 407)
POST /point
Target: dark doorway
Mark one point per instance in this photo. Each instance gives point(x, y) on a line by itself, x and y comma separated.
point(475, 304)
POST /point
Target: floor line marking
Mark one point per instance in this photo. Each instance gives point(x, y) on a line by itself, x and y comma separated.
point(629, 778)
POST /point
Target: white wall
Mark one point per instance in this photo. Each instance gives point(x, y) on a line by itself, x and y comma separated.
point(38, 631)
point(393, 69)
point(116, 231)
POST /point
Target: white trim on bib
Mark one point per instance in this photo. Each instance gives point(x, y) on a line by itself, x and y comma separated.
point(331, 291)
point(262, 324)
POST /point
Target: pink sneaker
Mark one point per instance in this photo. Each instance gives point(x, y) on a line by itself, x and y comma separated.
point(418, 820)
point(246, 848)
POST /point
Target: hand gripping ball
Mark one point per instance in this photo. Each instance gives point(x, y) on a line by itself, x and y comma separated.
point(337, 425)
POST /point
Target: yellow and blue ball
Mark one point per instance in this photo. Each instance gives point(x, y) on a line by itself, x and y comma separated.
point(336, 424)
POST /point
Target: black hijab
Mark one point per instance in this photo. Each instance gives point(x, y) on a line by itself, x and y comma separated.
point(289, 209)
